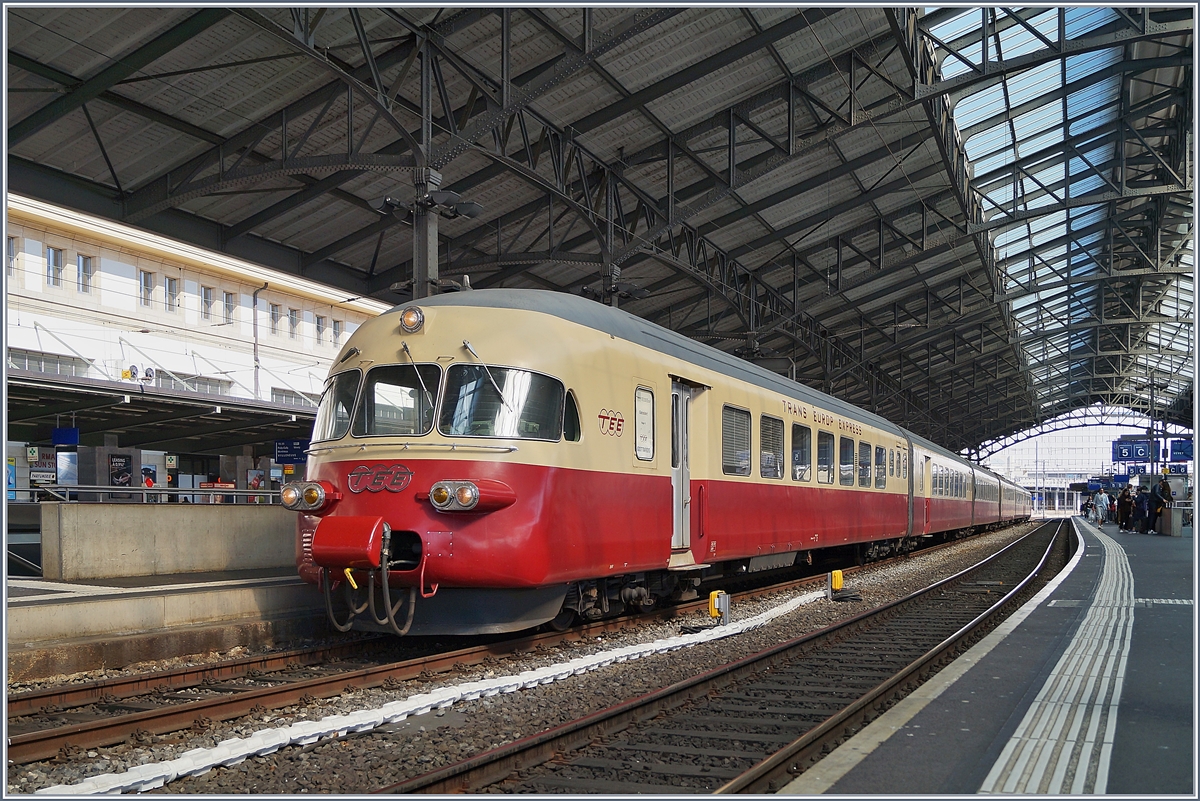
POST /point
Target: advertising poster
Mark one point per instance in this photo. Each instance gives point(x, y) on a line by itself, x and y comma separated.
point(10, 473)
point(68, 467)
point(255, 480)
point(149, 475)
point(44, 469)
point(120, 471)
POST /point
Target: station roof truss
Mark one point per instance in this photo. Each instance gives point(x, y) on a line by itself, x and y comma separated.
point(968, 220)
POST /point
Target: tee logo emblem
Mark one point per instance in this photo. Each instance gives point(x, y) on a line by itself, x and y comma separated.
point(612, 423)
point(376, 478)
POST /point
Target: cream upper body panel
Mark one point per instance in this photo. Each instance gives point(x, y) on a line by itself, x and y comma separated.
point(602, 374)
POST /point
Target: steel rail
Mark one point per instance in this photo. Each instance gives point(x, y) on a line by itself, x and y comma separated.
point(45, 743)
point(514, 759)
point(785, 763)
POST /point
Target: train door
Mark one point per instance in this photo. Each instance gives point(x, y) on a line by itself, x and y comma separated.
point(681, 401)
point(927, 488)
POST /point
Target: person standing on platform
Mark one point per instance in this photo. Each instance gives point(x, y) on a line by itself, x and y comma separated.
point(1112, 507)
point(1124, 508)
point(1141, 511)
point(1159, 498)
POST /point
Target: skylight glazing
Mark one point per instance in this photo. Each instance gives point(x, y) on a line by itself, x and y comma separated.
point(1048, 137)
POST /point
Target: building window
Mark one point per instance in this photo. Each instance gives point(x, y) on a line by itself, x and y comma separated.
point(276, 313)
point(337, 332)
point(146, 281)
point(320, 327)
point(801, 453)
point(207, 296)
point(171, 290)
point(770, 447)
point(735, 442)
point(54, 265)
point(85, 269)
point(289, 397)
point(12, 255)
point(293, 322)
point(47, 363)
point(192, 383)
point(230, 303)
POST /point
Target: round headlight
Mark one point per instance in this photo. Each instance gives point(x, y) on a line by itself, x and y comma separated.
point(440, 495)
point(313, 495)
point(290, 496)
point(466, 495)
point(411, 319)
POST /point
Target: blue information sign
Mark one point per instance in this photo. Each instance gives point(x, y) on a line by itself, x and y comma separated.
point(1134, 451)
point(1181, 450)
point(291, 451)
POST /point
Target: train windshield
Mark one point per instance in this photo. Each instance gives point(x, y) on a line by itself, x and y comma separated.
point(333, 412)
point(397, 400)
point(528, 405)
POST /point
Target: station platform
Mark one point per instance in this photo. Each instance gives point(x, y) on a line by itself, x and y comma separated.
point(61, 627)
point(1087, 689)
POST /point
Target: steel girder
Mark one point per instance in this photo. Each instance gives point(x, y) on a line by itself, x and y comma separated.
point(919, 282)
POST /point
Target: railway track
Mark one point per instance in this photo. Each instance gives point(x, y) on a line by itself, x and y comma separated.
point(750, 726)
point(42, 723)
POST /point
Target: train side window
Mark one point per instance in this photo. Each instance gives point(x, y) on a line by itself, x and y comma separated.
point(675, 400)
point(880, 465)
point(904, 457)
point(643, 424)
point(571, 428)
point(770, 441)
point(864, 464)
point(846, 462)
point(735, 441)
point(801, 453)
point(824, 457)
point(891, 462)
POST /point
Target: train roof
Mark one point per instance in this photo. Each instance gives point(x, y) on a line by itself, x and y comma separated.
point(630, 327)
point(642, 332)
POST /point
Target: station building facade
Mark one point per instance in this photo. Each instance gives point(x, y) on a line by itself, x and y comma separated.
point(91, 300)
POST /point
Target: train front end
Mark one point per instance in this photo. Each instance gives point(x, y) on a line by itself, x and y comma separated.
point(421, 511)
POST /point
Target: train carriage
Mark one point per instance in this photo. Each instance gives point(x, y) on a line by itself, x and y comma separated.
point(491, 460)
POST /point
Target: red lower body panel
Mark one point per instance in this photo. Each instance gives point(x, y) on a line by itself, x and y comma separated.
point(567, 525)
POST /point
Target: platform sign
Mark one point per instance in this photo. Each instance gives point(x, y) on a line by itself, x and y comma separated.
point(44, 469)
point(1181, 450)
point(1177, 469)
point(291, 451)
point(1137, 469)
point(1135, 451)
point(64, 436)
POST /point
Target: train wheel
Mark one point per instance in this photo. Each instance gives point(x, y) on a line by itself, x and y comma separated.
point(563, 620)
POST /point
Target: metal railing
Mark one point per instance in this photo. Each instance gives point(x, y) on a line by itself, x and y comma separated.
point(84, 493)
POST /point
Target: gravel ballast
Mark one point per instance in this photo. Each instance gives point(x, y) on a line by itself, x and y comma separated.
point(392, 752)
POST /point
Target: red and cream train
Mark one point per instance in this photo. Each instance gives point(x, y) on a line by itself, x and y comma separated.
point(492, 460)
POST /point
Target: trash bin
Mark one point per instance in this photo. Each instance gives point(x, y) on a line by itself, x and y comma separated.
point(1171, 522)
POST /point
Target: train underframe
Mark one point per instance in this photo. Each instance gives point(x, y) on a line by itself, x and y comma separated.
point(374, 603)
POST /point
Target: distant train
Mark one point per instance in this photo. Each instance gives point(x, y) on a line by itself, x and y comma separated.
point(492, 460)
